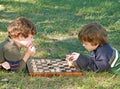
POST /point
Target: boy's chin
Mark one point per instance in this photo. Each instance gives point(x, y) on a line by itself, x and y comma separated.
point(89, 50)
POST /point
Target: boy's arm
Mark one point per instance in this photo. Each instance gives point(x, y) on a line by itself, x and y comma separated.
point(23, 62)
point(22, 66)
point(26, 56)
point(31, 51)
point(89, 63)
point(83, 61)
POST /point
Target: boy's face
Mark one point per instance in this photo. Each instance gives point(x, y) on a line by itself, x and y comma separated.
point(26, 41)
point(90, 47)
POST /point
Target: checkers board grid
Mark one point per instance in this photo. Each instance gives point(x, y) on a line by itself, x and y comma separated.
point(49, 67)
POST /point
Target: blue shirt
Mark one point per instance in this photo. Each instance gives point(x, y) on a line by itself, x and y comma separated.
point(98, 60)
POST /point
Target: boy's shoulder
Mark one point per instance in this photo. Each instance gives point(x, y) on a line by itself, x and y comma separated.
point(105, 47)
point(8, 43)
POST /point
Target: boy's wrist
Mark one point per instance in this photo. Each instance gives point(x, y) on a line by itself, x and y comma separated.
point(25, 58)
point(75, 64)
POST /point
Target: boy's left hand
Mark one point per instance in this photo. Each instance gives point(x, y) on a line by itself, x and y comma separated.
point(31, 50)
point(73, 56)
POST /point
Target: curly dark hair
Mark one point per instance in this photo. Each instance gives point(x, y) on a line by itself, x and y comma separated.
point(21, 26)
point(93, 33)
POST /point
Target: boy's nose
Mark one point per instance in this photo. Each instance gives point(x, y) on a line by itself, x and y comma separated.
point(83, 44)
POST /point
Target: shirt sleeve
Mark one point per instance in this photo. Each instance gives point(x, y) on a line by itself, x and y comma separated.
point(86, 63)
point(102, 60)
point(97, 64)
point(12, 52)
point(22, 66)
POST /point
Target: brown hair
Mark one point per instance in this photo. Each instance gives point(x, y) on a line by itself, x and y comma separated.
point(21, 26)
point(93, 33)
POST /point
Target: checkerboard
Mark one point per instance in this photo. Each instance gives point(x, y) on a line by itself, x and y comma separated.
point(50, 67)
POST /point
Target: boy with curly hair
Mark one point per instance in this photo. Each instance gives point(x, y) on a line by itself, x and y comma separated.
point(20, 34)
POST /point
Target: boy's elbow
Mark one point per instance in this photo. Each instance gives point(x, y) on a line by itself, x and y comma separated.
point(103, 67)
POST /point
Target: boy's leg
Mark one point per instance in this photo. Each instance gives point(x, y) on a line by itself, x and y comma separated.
point(116, 68)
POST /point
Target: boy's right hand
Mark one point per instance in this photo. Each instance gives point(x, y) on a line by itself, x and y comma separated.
point(73, 56)
point(6, 65)
point(31, 50)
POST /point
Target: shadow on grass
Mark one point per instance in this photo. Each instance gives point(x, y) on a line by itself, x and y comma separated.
point(61, 16)
point(114, 38)
point(10, 11)
point(55, 48)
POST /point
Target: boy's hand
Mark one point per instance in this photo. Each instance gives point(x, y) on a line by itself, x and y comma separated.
point(69, 57)
point(30, 52)
point(73, 56)
point(6, 65)
point(70, 63)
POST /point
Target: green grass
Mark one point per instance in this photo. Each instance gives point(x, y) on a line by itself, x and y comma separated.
point(58, 22)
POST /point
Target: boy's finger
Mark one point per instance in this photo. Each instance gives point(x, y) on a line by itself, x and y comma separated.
point(29, 45)
point(74, 53)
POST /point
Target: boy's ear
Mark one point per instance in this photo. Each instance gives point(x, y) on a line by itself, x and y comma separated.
point(97, 44)
point(20, 37)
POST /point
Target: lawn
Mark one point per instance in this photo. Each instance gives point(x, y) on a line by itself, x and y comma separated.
point(58, 23)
